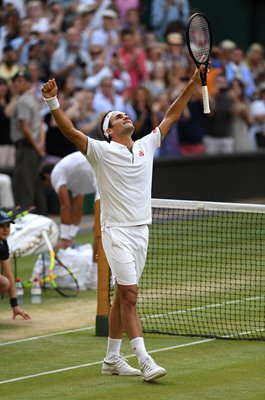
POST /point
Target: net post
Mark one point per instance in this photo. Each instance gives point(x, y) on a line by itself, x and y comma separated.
point(103, 297)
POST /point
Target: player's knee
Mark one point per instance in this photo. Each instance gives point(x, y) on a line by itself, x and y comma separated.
point(129, 297)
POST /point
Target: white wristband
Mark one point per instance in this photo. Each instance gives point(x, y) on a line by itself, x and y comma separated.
point(65, 231)
point(73, 230)
point(52, 103)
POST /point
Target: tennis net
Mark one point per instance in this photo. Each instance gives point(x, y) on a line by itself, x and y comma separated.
point(205, 270)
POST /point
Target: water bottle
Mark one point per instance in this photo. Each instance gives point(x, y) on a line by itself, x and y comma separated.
point(36, 292)
point(19, 291)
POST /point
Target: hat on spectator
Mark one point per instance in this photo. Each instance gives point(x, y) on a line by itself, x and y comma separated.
point(174, 38)
point(86, 8)
point(23, 73)
point(258, 108)
point(4, 217)
point(109, 13)
point(227, 44)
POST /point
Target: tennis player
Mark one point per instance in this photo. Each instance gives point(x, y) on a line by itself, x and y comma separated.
point(124, 174)
point(7, 282)
point(72, 173)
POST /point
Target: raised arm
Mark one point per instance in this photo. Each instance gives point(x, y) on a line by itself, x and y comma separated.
point(49, 92)
point(177, 107)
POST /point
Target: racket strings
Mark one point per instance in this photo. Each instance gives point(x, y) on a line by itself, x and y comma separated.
point(199, 38)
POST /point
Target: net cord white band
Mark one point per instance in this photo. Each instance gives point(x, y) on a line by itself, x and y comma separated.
point(105, 125)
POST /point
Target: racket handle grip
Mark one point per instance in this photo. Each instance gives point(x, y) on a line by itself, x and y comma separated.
point(205, 100)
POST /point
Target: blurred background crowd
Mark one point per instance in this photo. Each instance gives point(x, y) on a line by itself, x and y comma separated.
point(127, 55)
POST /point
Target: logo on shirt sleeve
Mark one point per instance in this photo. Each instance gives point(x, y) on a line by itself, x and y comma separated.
point(141, 153)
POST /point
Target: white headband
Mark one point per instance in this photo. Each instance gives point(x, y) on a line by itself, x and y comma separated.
point(105, 125)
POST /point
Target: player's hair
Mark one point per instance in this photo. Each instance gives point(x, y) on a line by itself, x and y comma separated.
point(45, 169)
point(103, 116)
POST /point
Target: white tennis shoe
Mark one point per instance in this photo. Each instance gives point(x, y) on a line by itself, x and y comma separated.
point(150, 369)
point(118, 365)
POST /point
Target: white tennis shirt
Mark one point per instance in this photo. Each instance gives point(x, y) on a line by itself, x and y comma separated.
point(75, 172)
point(124, 179)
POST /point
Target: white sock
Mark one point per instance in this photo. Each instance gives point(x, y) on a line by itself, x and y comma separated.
point(138, 347)
point(114, 347)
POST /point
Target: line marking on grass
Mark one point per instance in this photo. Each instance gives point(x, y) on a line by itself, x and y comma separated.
point(56, 371)
point(46, 336)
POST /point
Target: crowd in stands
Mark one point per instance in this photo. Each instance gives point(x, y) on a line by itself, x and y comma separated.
point(121, 54)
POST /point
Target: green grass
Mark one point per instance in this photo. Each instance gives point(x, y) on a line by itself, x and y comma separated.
point(197, 369)
point(216, 370)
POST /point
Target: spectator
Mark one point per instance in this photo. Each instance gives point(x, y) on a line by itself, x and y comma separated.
point(176, 49)
point(27, 134)
point(83, 114)
point(124, 8)
point(56, 145)
point(70, 59)
point(218, 130)
point(9, 29)
point(106, 98)
point(133, 21)
point(157, 82)
point(9, 65)
point(242, 119)
point(133, 59)
point(255, 60)
point(164, 12)
point(40, 22)
point(177, 75)
point(142, 105)
point(191, 126)
point(107, 35)
point(235, 68)
point(22, 41)
point(170, 146)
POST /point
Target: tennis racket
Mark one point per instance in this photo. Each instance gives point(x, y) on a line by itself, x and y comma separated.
point(62, 279)
point(199, 43)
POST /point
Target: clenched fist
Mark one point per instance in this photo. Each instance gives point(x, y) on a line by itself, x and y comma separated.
point(49, 89)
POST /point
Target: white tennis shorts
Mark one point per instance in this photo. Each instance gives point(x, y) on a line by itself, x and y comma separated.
point(126, 249)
